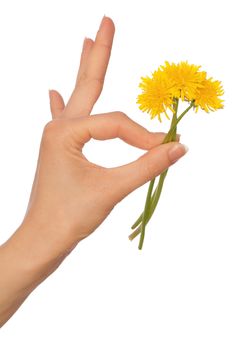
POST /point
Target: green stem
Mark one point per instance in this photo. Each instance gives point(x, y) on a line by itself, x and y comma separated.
point(169, 137)
point(153, 205)
point(175, 107)
point(173, 127)
point(158, 192)
point(137, 222)
point(146, 212)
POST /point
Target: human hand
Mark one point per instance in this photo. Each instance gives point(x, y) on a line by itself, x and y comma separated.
point(71, 196)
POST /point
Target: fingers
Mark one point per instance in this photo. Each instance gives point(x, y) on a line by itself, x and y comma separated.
point(87, 46)
point(100, 54)
point(56, 103)
point(133, 175)
point(112, 125)
point(90, 80)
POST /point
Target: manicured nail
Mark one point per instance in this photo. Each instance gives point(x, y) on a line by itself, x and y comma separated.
point(176, 152)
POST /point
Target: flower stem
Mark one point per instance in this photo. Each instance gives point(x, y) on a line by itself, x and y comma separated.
point(159, 188)
point(166, 139)
point(146, 213)
point(152, 200)
point(145, 217)
point(137, 222)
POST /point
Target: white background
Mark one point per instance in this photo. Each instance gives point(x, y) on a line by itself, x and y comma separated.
point(176, 293)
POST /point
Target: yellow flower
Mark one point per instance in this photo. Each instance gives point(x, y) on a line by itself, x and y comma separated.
point(156, 97)
point(185, 79)
point(178, 81)
point(207, 97)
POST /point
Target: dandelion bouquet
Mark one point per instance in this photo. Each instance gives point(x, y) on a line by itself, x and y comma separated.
point(161, 94)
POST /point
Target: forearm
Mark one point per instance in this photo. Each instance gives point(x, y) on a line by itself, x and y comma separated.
point(26, 259)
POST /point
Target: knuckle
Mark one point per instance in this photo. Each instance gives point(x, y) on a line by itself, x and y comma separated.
point(85, 78)
point(105, 46)
point(120, 114)
point(50, 128)
point(53, 130)
point(98, 80)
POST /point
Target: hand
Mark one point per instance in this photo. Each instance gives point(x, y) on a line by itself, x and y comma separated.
point(71, 195)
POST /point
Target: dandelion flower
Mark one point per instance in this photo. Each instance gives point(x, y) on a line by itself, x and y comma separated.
point(185, 79)
point(161, 94)
point(156, 97)
point(207, 97)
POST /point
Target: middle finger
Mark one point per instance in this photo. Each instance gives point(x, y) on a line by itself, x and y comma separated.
point(90, 83)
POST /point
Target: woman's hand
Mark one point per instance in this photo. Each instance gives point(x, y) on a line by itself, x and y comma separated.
point(71, 196)
point(69, 191)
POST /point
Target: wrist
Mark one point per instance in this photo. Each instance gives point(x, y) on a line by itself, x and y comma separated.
point(32, 255)
point(26, 259)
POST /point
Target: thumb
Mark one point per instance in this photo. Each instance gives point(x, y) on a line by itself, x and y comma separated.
point(56, 103)
point(135, 174)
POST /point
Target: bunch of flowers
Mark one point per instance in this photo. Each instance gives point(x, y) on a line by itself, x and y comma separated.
point(160, 96)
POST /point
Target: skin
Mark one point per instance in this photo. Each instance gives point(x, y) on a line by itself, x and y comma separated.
point(67, 187)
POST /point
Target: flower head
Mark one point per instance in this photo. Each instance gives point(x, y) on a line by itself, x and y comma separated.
point(207, 96)
point(178, 81)
point(185, 79)
point(156, 97)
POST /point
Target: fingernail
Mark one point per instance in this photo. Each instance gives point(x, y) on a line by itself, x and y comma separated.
point(50, 92)
point(102, 22)
point(176, 152)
